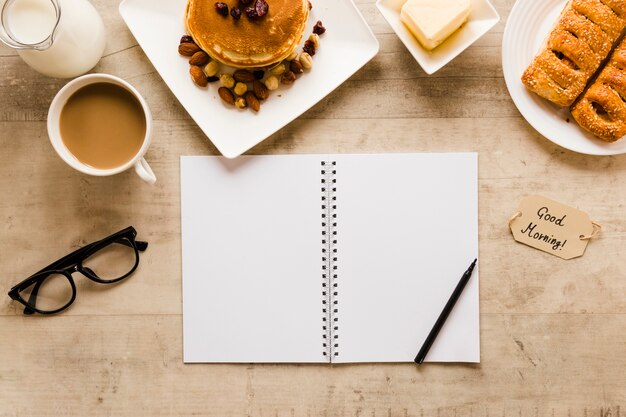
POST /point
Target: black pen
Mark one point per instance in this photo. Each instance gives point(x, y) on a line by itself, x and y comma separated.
point(421, 355)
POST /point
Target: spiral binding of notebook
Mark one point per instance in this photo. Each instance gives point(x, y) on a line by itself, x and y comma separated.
point(330, 304)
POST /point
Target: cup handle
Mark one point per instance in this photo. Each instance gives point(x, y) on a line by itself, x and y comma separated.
point(145, 172)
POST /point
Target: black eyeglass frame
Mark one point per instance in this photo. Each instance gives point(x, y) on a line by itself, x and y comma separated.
point(73, 262)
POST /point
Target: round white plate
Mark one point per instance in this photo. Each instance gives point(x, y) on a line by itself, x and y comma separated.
point(527, 27)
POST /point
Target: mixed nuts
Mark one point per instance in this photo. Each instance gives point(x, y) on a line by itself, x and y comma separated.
point(247, 88)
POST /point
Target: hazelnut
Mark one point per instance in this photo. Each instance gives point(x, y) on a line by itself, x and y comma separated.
point(271, 82)
point(306, 61)
point(315, 38)
point(240, 89)
point(292, 56)
point(278, 69)
point(211, 69)
point(240, 103)
point(227, 80)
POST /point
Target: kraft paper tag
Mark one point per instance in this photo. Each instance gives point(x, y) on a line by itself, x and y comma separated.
point(553, 227)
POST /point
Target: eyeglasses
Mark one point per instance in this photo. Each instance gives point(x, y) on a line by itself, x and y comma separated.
point(106, 261)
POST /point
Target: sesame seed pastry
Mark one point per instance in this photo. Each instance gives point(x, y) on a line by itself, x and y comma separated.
point(602, 108)
point(580, 41)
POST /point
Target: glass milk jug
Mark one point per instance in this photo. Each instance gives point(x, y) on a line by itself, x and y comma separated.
point(57, 38)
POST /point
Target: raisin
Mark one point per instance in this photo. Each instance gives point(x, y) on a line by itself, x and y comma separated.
point(222, 8)
point(235, 12)
point(309, 48)
point(288, 78)
point(319, 28)
point(296, 67)
point(186, 39)
point(259, 74)
point(261, 7)
point(251, 13)
point(245, 2)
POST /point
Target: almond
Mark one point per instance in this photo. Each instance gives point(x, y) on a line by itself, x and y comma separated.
point(252, 101)
point(226, 95)
point(200, 58)
point(198, 76)
point(260, 90)
point(188, 48)
point(244, 76)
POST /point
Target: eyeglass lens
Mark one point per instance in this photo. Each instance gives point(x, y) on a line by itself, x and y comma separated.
point(113, 261)
point(53, 291)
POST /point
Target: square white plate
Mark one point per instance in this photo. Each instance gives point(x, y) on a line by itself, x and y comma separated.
point(482, 18)
point(347, 45)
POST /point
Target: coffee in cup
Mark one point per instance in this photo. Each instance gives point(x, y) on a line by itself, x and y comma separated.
point(100, 125)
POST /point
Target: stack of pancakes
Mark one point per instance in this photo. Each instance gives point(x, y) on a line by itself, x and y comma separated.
point(247, 43)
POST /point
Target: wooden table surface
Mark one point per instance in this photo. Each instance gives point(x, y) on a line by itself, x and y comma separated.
point(553, 332)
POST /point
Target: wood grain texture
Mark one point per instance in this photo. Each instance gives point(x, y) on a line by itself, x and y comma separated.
point(552, 332)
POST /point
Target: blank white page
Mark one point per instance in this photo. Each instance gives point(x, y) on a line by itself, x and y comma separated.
point(407, 231)
point(251, 244)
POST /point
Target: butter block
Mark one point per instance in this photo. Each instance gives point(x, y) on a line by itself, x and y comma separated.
point(433, 21)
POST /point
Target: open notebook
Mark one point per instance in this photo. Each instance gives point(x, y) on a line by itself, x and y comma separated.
point(328, 258)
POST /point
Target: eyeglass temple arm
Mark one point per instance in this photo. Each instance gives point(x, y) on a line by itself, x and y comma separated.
point(68, 260)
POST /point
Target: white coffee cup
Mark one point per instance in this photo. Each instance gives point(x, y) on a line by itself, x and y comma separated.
point(54, 115)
